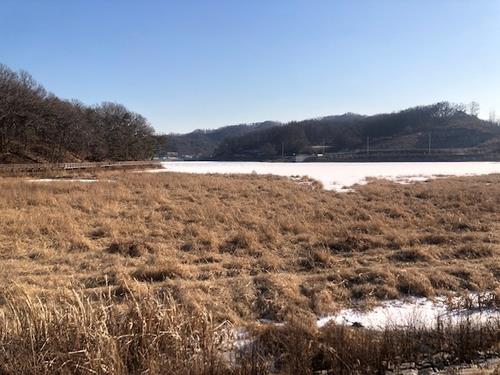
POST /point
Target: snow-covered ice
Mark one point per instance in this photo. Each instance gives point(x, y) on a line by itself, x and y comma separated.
point(84, 180)
point(340, 176)
point(63, 180)
point(413, 312)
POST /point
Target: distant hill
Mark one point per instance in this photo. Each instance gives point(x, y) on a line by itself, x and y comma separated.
point(202, 143)
point(445, 126)
point(38, 127)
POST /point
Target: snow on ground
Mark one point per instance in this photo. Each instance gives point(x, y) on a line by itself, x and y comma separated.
point(84, 180)
point(63, 180)
point(339, 176)
point(414, 312)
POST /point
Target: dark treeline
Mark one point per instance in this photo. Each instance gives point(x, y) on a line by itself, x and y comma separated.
point(37, 126)
point(451, 126)
point(202, 143)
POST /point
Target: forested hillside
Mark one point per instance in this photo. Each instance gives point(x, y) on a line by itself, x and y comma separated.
point(449, 126)
point(202, 143)
point(37, 126)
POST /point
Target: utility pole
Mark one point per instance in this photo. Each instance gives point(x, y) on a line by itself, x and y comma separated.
point(368, 145)
point(283, 150)
point(430, 142)
point(323, 146)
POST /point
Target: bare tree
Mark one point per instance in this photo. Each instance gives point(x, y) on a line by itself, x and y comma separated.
point(493, 117)
point(474, 109)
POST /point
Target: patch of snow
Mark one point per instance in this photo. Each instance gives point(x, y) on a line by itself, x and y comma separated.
point(84, 180)
point(238, 341)
point(242, 338)
point(339, 176)
point(63, 180)
point(415, 312)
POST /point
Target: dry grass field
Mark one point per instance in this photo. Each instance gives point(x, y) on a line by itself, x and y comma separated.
point(210, 250)
point(250, 247)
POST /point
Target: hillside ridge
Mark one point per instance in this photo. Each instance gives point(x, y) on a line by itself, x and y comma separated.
point(38, 127)
point(442, 126)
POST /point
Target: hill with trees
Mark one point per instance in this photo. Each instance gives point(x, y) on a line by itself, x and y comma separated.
point(443, 126)
point(202, 143)
point(36, 126)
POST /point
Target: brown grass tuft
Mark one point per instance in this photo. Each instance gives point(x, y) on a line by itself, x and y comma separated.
point(413, 283)
point(474, 251)
point(242, 240)
point(410, 256)
point(159, 273)
point(131, 249)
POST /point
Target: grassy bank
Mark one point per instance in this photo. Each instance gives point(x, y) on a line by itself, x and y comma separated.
point(201, 251)
point(146, 334)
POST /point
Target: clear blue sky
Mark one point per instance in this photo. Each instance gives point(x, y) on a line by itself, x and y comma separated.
point(202, 64)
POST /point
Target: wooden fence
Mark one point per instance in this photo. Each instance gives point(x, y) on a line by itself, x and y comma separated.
point(410, 152)
point(72, 166)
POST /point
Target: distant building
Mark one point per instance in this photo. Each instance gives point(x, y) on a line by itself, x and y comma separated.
point(301, 157)
point(170, 156)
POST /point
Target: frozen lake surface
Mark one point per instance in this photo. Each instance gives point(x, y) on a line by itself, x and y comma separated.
point(63, 180)
point(339, 176)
